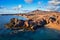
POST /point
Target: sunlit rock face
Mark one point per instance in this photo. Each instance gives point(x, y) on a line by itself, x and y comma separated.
point(16, 24)
point(54, 22)
point(36, 20)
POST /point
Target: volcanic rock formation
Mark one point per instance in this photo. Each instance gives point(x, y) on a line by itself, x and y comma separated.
point(36, 19)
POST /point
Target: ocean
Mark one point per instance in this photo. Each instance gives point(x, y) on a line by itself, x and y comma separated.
point(39, 34)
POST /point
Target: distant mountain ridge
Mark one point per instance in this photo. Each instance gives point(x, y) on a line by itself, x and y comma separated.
point(40, 11)
point(34, 12)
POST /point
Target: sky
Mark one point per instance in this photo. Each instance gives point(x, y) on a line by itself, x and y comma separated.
point(24, 6)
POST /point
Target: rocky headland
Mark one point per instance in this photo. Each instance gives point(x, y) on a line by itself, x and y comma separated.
point(36, 19)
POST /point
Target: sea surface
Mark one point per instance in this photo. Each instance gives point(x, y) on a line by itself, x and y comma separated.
point(39, 34)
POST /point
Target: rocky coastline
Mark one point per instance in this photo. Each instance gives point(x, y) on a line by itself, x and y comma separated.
point(35, 21)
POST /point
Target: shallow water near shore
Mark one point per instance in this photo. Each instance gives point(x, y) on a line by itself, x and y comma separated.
point(39, 34)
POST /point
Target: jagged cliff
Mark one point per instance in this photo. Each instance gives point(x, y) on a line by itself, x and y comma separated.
point(36, 19)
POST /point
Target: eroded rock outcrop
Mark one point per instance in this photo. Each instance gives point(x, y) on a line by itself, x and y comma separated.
point(16, 24)
point(35, 21)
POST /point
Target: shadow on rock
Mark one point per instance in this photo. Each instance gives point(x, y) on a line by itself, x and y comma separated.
point(16, 24)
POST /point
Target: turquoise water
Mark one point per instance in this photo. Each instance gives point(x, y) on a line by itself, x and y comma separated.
point(40, 34)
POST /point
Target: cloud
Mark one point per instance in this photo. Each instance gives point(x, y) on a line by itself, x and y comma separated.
point(53, 5)
point(28, 1)
point(12, 10)
point(7, 11)
point(39, 2)
point(17, 7)
point(1, 7)
point(26, 11)
point(54, 2)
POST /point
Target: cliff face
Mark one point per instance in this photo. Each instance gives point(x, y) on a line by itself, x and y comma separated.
point(36, 19)
point(54, 24)
point(52, 19)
